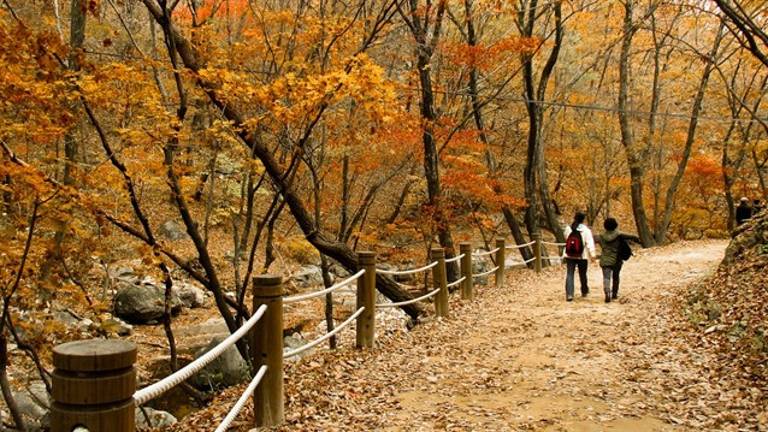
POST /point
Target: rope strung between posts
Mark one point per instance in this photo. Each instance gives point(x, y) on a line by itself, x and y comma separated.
point(520, 246)
point(552, 243)
point(482, 254)
point(406, 272)
point(454, 259)
point(407, 302)
point(314, 343)
point(456, 282)
point(489, 272)
point(524, 262)
point(551, 258)
point(243, 399)
point(152, 391)
point(345, 282)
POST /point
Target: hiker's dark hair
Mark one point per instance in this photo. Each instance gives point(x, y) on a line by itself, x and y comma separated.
point(578, 218)
point(610, 224)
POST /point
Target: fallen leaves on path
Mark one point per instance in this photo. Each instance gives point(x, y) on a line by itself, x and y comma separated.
point(521, 358)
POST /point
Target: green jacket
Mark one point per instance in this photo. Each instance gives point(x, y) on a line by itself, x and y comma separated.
point(609, 243)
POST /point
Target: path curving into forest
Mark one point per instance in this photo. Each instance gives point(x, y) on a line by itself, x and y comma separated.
point(517, 358)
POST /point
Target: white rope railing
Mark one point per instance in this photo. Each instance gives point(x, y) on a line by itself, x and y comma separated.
point(454, 259)
point(456, 282)
point(521, 245)
point(407, 272)
point(529, 260)
point(486, 273)
point(324, 337)
point(550, 258)
point(152, 391)
point(407, 302)
point(243, 399)
point(345, 282)
point(482, 254)
point(552, 243)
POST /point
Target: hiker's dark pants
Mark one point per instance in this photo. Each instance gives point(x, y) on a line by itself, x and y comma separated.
point(571, 265)
point(611, 279)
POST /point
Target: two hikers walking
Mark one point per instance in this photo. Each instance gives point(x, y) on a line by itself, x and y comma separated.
point(580, 248)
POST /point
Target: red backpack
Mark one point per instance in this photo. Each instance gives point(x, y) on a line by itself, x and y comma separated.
point(574, 245)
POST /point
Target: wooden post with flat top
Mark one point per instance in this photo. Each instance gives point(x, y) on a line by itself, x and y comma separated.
point(466, 270)
point(93, 386)
point(537, 252)
point(440, 281)
point(500, 258)
point(267, 350)
point(366, 297)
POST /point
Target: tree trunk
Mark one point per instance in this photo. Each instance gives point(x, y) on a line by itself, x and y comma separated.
point(328, 282)
point(727, 179)
point(759, 167)
point(10, 401)
point(425, 49)
point(517, 234)
point(490, 161)
point(71, 154)
point(636, 171)
point(669, 203)
point(535, 176)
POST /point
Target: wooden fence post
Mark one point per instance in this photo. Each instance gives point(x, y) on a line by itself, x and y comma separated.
point(267, 349)
point(537, 252)
point(440, 280)
point(500, 261)
point(93, 386)
point(366, 297)
point(466, 270)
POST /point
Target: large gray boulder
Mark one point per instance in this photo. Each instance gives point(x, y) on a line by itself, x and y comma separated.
point(406, 278)
point(308, 276)
point(34, 404)
point(189, 295)
point(147, 418)
point(173, 231)
point(481, 265)
point(292, 342)
point(226, 370)
point(142, 303)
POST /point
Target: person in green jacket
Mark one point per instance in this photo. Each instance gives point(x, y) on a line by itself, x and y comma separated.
point(610, 261)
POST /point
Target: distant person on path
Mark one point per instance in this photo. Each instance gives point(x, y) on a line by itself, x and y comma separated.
point(615, 250)
point(757, 207)
point(579, 247)
point(743, 211)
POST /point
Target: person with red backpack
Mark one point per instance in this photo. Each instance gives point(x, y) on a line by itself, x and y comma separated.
point(579, 248)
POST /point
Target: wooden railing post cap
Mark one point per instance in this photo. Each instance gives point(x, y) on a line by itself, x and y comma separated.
point(500, 241)
point(438, 252)
point(537, 235)
point(94, 355)
point(366, 257)
point(465, 247)
point(268, 285)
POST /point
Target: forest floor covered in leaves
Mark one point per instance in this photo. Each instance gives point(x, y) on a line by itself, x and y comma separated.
point(521, 358)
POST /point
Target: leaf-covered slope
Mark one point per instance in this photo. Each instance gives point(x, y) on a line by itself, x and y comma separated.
point(733, 305)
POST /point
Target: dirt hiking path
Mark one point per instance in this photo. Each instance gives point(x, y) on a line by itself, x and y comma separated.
point(557, 365)
point(517, 358)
